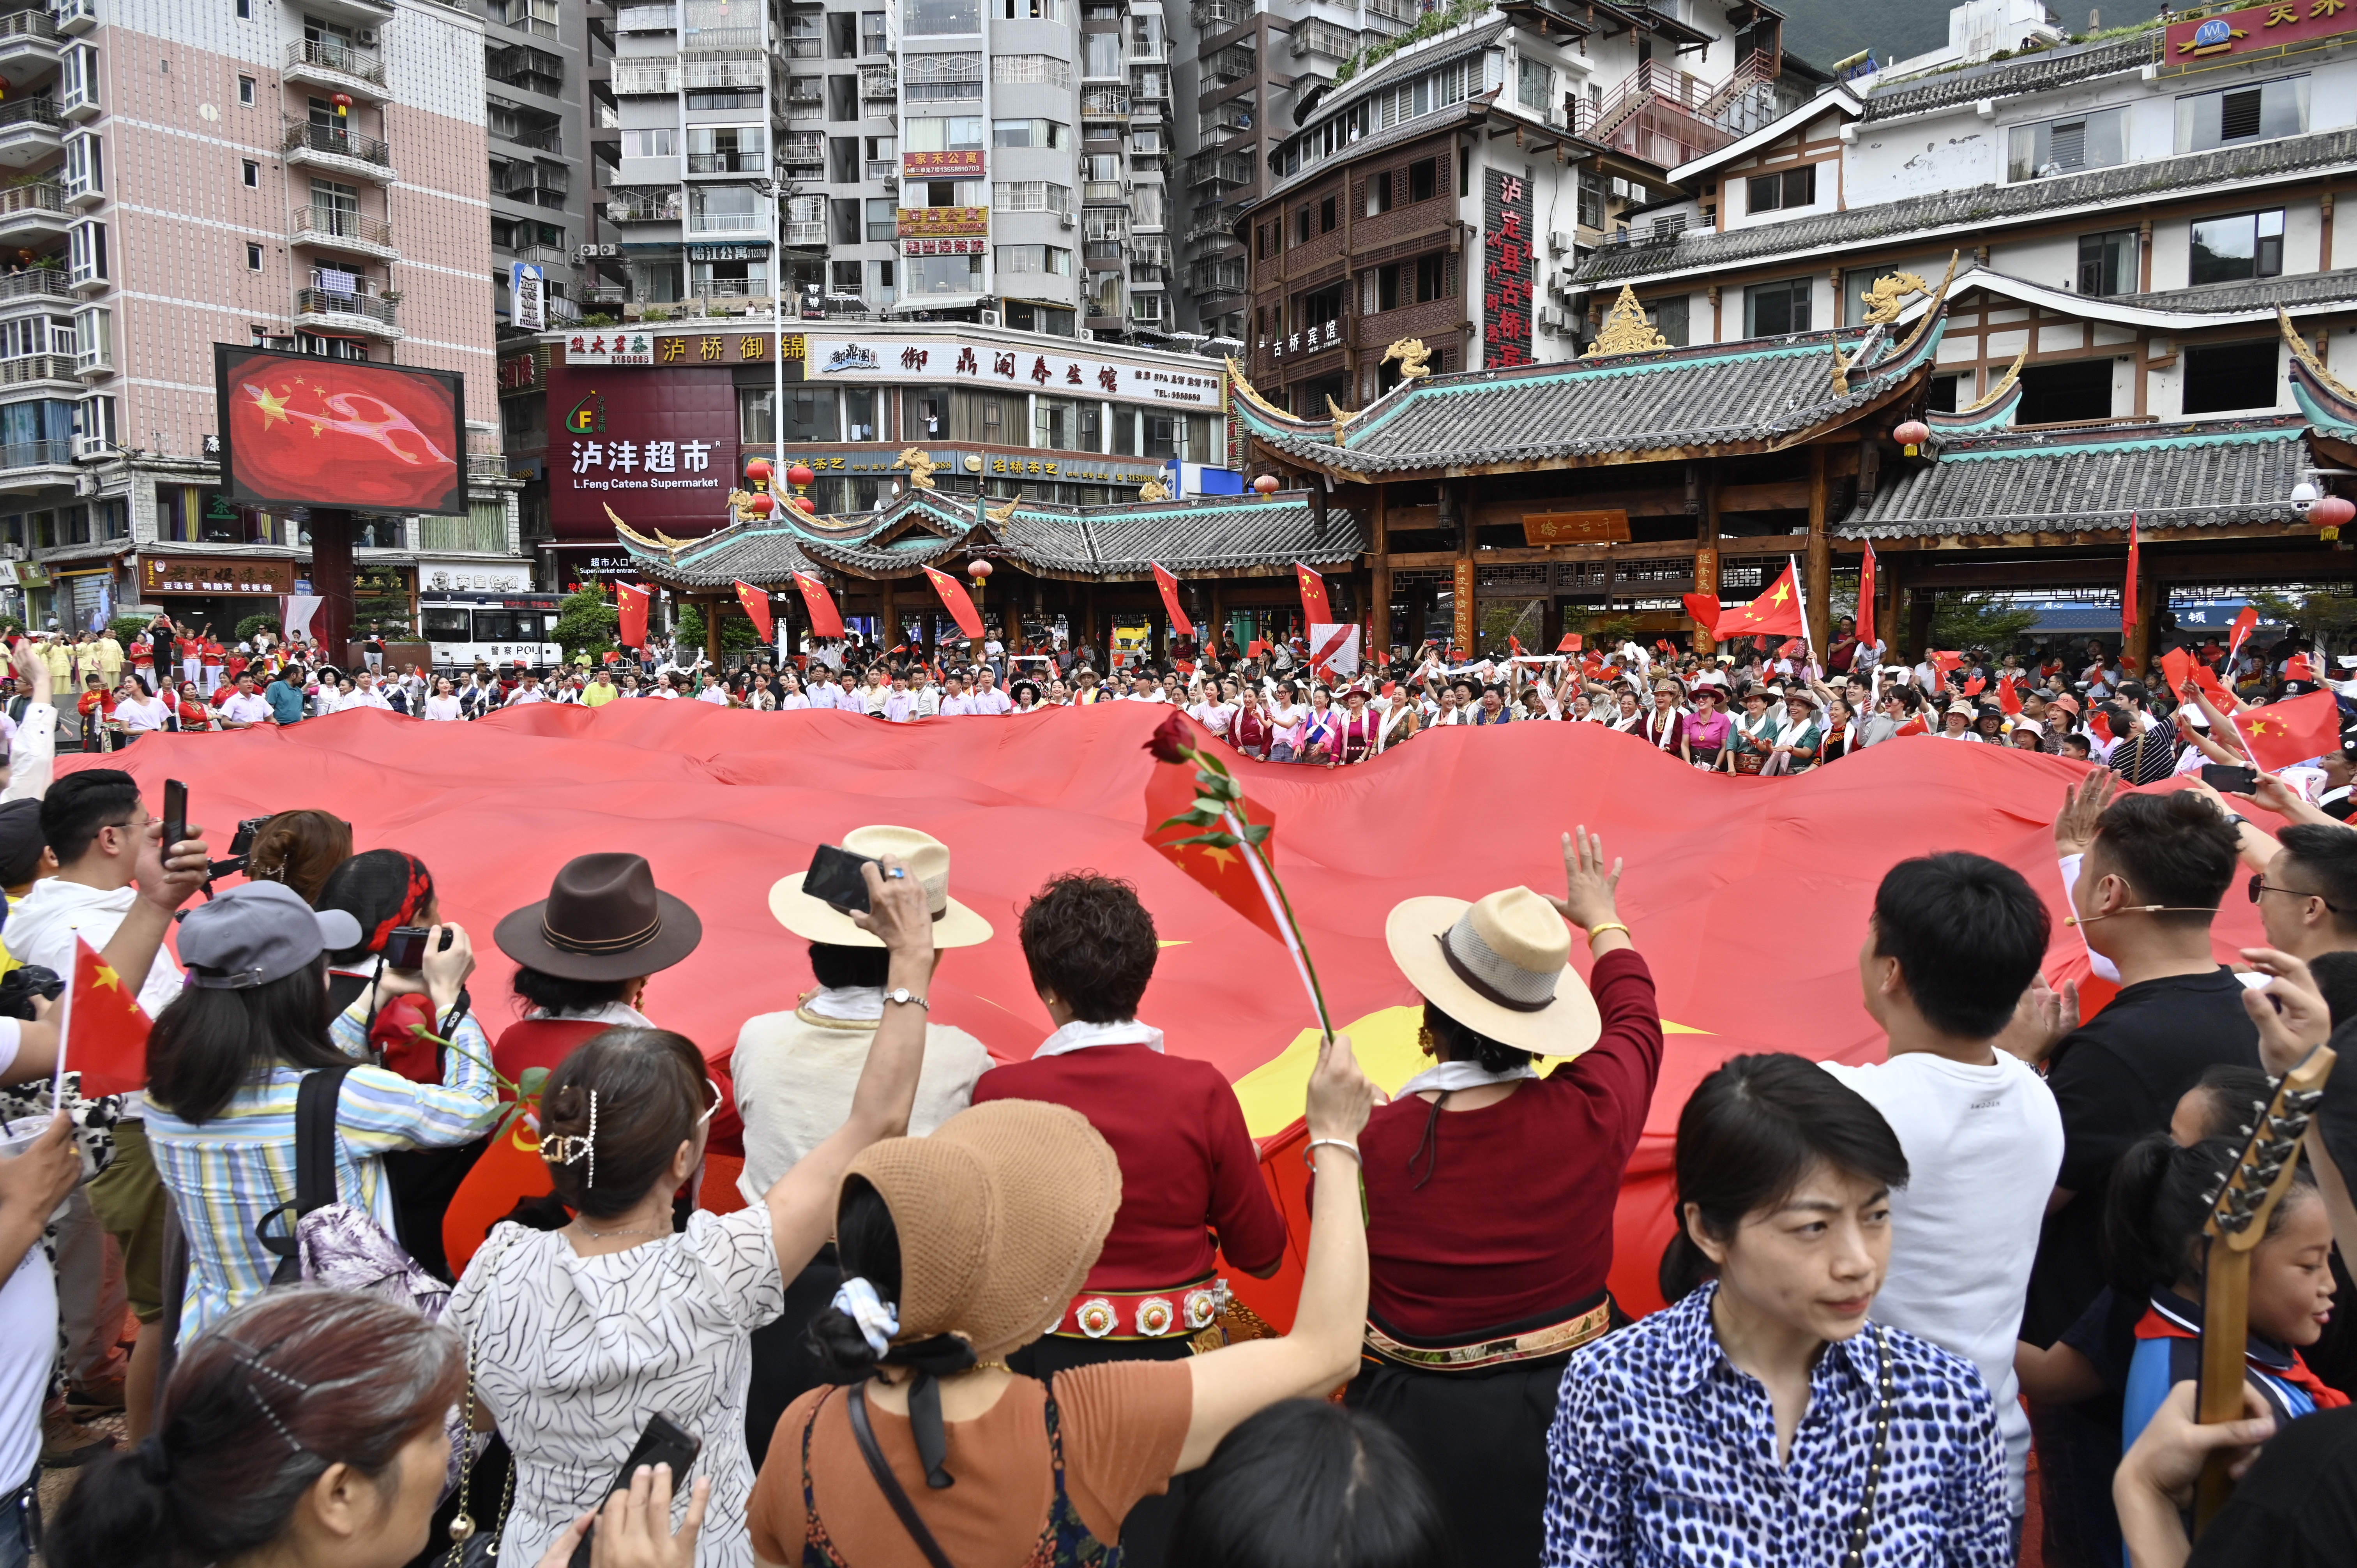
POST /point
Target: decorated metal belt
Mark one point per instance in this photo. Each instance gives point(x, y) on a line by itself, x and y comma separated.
point(1144, 1314)
point(1497, 1351)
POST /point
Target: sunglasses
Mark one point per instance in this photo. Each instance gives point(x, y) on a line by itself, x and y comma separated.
point(2259, 884)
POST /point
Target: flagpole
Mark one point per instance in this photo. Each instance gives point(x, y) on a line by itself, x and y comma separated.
point(1808, 639)
point(65, 1033)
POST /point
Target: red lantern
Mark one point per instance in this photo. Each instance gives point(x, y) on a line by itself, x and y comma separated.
point(1265, 484)
point(978, 570)
point(800, 475)
point(1912, 435)
point(757, 470)
point(762, 503)
point(343, 102)
point(808, 506)
point(2333, 511)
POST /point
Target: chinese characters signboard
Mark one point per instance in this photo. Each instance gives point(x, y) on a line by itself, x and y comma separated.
point(214, 575)
point(943, 165)
point(2287, 27)
point(1069, 375)
point(659, 445)
point(1506, 266)
point(963, 247)
point(1575, 527)
point(928, 222)
point(1081, 467)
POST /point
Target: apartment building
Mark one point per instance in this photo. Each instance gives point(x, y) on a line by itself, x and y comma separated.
point(307, 174)
point(537, 103)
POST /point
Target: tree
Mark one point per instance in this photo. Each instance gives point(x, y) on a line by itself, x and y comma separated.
point(250, 625)
point(585, 622)
point(2330, 616)
point(1980, 620)
point(735, 631)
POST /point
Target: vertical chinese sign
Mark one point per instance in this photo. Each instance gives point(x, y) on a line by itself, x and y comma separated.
point(1507, 269)
point(1464, 606)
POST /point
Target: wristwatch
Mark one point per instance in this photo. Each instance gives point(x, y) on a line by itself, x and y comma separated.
point(902, 993)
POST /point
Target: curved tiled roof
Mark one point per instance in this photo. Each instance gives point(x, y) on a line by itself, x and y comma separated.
point(2260, 293)
point(2200, 474)
point(2006, 79)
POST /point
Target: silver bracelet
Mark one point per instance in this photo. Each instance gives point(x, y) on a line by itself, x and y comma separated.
point(1308, 1154)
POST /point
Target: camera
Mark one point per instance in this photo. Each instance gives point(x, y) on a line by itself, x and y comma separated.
point(21, 984)
point(242, 845)
point(404, 945)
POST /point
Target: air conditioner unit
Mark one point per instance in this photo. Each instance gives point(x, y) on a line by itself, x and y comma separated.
point(1088, 334)
point(990, 318)
point(1069, 221)
point(12, 553)
point(1558, 242)
point(367, 37)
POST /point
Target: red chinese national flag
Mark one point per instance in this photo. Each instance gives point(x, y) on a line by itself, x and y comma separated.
point(1777, 611)
point(1703, 608)
point(1223, 873)
point(2245, 624)
point(2008, 697)
point(340, 433)
point(632, 600)
point(1865, 598)
point(825, 620)
point(105, 1030)
point(1170, 586)
point(1313, 598)
point(757, 606)
point(2284, 735)
point(954, 600)
point(2128, 589)
point(1570, 643)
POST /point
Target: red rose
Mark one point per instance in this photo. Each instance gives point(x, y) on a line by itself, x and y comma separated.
point(1169, 741)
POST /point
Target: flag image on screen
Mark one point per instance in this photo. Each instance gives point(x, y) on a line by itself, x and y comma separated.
point(299, 430)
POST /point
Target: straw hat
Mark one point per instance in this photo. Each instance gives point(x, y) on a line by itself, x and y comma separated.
point(1001, 1212)
point(1500, 966)
point(928, 860)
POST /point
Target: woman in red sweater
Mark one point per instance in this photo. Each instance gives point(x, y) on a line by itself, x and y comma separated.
point(1490, 1189)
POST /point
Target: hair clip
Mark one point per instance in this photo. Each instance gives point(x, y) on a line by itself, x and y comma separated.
point(571, 1148)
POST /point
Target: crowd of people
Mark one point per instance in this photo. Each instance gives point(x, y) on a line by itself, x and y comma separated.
point(881, 1299)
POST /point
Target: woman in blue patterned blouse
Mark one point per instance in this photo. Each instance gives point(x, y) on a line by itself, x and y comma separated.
point(1763, 1418)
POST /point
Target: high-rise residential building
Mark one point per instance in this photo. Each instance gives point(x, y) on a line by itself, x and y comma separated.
point(537, 107)
point(301, 174)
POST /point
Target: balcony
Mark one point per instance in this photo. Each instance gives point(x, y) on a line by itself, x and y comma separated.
point(1219, 168)
point(37, 286)
point(332, 310)
point(646, 18)
point(1098, 104)
point(337, 66)
point(1314, 37)
point(32, 212)
point(28, 43)
point(19, 455)
point(751, 71)
point(703, 223)
point(1219, 277)
point(75, 17)
point(1103, 193)
point(352, 233)
point(26, 368)
point(878, 82)
point(729, 162)
point(1208, 14)
point(333, 151)
point(662, 207)
point(465, 535)
point(1232, 64)
point(358, 13)
point(30, 130)
point(633, 77)
point(540, 138)
point(543, 256)
point(812, 234)
point(1670, 117)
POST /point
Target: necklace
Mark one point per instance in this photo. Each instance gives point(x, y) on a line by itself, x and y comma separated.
point(608, 1235)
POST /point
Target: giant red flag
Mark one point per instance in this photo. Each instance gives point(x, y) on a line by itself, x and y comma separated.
point(1170, 586)
point(954, 600)
point(1313, 598)
point(2285, 735)
point(1776, 611)
point(757, 606)
point(1866, 596)
point(631, 600)
point(2128, 589)
point(105, 1029)
point(825, 620)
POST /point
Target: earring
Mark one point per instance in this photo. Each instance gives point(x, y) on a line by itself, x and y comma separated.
point(1425, 1042)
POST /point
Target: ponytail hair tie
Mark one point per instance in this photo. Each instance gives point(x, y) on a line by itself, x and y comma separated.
point(877, 1321)
point(154, 1463)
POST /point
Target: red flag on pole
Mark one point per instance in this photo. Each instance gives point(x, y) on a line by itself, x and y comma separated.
point(757, 605)
point(1703, 608)
point(632, 600)
point(2008, 697)
point(1570, 643)
point(1865, 598)
point(1778, 610)
point(825, 620)
point(2285, 735)
point(954, 600)
point(1170, 586)
point(1313, 598)
point(104, 1033)
point(2128, 592)
point(2245, 624)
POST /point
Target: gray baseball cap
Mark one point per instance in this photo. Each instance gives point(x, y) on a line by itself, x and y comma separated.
point(258, 933)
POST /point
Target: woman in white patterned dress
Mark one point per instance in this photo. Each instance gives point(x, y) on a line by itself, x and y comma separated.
point(578, 1336)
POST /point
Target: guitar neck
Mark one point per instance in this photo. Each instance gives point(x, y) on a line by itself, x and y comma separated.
point(2225, 1337)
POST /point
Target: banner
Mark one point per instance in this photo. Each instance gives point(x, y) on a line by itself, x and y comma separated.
point(632, 600)
point(2128, 586)
point(825, 620)
point(757, 607)
point(954, 600)
point(1865, 599)
point(1336, 647)
point(1313, 597)
point(1507, 264)
point(1170, 586)
point(295, 614)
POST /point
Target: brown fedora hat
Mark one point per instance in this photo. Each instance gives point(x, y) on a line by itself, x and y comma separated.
point(604, 918)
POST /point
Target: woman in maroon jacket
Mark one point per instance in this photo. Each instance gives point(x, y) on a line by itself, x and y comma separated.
point(1490, 1189)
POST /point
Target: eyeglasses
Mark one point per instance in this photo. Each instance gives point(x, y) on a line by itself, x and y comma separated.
point(713, 1109)
point(2259, 884)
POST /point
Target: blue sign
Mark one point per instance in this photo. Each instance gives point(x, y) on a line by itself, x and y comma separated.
point(2216, 30)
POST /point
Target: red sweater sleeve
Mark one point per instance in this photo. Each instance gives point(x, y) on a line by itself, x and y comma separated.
point(1625, 1060)
point(1251, 1231)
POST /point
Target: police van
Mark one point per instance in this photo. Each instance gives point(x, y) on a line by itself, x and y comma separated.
point(498, 629)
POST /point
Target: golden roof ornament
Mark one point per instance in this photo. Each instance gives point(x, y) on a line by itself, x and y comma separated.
point(1626, 330)
point(1923, 322)
point(2307, 356)
point(921, 466)
point(1341, 416)
point(1415, 359)
point(1889, 295)
point(1841, 372)
point(999, 514)
point(625, 531)
point(2003, 383)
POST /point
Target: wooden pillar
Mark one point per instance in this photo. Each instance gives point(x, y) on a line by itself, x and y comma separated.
point(1379, 571)
point(1010, 626)
point(890, 632)
point(1819, 567)
point(712, 629)
point(1920, 602)
point(1705, 562)
point(1891, 597)
point(1466, 631)
point(1214, 634)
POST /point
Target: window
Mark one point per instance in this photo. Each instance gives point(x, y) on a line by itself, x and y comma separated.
point(252, 258)
point(1146, 207)
point(245, 91)
point(251, 172)
point(1026, 132)
point(2223, 376)
point(1942, 394)
point(728, 149)
point(933, 18)
point(1535, 86)
point(1301, 230)
point(1326, 218)
point(962, 134)
point(1031, 196)
point(953, 193)
point(2228, 250)
point(942, 274)
point(873, 39)
point(724, 208)
point(1100, 55)
point(842, 35)
point(1669, 318)
point(1264, 241)
point(86, 254)
point(1411, 283)
point(1591, 199)
point(941, 78)
point(1035, 10)
point(2072, 391)
point(2108, 263)
point(1423, 179)
point(2255, 113)
point(661, 142)
point(845, 220)
point(2066, 146)
point(802, 41)
point(1771, 309)
point(842, 160)
point(1051, 70)
point(842, 97)
point(883, 223)
point(1379, 192)
point(244, 10)
point(1775, 192)
point(1039, 259)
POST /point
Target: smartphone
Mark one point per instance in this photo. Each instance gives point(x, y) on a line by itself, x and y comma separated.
point(662, 1443)
point(2228, 780)
point(834, 878)
point(176, 813)
point(404, 945)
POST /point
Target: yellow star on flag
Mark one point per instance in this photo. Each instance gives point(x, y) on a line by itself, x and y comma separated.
point(104, 976)
point(273, 409)
point(1219, 856)
point(1783, 592)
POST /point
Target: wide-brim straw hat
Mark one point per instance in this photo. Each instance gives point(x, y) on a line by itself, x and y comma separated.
point(1001, 1212)
point(1498, 965)
point(927, 859)
point(604, 918)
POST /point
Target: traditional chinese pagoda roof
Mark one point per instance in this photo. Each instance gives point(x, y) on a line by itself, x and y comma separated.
point(2195, 475)
point(2040, 72)
point(1756, 395)
point(1200, 536)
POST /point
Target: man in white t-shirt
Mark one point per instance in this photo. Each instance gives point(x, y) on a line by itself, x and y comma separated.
point(1951, 958)
point(987, 698)
point(954, 703)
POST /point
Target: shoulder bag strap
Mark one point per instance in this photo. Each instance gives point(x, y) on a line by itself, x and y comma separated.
point(890, 1484)
point(315, 1169)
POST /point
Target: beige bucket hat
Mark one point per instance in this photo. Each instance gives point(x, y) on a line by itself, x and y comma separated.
point(1500, 966)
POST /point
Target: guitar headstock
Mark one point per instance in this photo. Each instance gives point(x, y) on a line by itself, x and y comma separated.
point(2240, 1207)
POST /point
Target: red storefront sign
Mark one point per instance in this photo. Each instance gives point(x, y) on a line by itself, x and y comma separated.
point(943, 165)
point(2281, 29)
point(932, 222)
point(1506, 269)
point(658, 445)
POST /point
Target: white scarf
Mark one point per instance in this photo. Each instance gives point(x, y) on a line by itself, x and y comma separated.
point(1079, 1036)
point(846, 1003)
point(1670, 730)
point(1446, 1076)
point(1786, 734)
point(613, 1015)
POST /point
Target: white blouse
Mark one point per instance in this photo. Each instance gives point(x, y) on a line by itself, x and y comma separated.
point(140, 716)
point(442, 709)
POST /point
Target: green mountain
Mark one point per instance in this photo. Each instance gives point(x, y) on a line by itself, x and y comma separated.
point(1823, 31)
